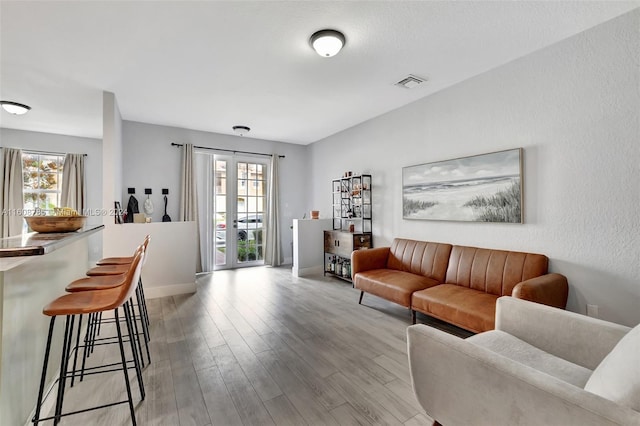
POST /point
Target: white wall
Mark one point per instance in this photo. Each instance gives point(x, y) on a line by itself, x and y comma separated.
point(111, 164)
point(149, 161)
point(111, 150)
point(574, 109)
point(74, 145)
point(170, 266)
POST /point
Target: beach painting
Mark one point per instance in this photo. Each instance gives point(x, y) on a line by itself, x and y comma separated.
point(481, 188)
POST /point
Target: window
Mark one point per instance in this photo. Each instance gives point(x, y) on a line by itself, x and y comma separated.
point(42, 180)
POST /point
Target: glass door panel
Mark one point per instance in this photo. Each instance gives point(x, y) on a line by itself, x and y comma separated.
point(239, 210)
point(220, 212)
point(250, 211)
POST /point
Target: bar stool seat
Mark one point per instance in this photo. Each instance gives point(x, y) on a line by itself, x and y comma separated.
point(108, 270)
point(115, 261)
point(122, 260)
point(86, 302)
point(99, 282)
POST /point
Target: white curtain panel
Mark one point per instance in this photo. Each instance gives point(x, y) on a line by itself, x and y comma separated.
point(74, 187)
point(189, 195)
point(11, 201)
point(273, 244)
point(203, 162)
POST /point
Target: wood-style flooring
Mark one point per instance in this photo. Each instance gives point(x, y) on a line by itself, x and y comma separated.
point(257, 346)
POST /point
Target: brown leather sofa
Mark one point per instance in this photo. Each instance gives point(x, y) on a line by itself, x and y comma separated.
point(456, 284)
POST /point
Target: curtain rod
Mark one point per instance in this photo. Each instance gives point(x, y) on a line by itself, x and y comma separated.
point(35, 151)
point(227, 150)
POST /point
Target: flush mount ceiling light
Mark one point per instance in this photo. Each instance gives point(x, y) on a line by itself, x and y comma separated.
point(327, 42)
point(241, 130)
point(14, 107)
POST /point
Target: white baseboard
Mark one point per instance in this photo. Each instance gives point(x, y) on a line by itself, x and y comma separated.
point(169, 290)
point(302, 272)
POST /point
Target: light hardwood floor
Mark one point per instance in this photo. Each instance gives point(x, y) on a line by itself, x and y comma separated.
point(257, 346)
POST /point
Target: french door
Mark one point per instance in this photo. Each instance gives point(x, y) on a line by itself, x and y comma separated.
point(238, 202)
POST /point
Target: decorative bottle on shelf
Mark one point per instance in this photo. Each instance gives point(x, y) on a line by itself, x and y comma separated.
point(346, 268)
point(339, 267)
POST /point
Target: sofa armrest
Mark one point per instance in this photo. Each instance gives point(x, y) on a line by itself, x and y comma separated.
point(577, 338)
point(366, 260)
point(549, 289)
point(459, 383)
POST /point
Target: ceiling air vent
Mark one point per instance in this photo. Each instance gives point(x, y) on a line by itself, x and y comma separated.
point(410, 81)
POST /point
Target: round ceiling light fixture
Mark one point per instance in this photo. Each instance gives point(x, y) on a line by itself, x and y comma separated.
point(241, 130)
point(14, 107)
point(327, 43)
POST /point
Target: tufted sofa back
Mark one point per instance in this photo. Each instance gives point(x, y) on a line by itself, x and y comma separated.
point(493, 271)
point(419, 257)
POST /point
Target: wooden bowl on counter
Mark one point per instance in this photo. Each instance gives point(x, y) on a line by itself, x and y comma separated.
point(47, 224)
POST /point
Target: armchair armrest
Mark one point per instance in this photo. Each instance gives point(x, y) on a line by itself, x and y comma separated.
point(549, 289)
point(459, 383)
point(366, 260)
point(577, 338)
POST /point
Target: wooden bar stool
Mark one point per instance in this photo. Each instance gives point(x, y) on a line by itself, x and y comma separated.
point(122, 260)
point(119, 265)
point(95, 319)
point(91, 302)
point(105, 282)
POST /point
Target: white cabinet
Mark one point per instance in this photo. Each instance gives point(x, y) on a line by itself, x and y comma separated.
point(307, 245)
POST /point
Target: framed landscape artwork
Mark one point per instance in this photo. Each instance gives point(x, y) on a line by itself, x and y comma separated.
point(481, 188)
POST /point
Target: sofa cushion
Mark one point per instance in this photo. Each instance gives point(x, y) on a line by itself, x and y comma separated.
point(470, 309)
point(420, 258)
point(493, 271)
point(617, 378)
point(392, 285)
point(518, 350)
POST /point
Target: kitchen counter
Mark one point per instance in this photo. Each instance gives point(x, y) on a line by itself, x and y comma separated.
point(34, 270)
point(37, 244)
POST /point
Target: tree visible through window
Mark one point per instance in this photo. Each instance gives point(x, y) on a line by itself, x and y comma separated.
point(42, 180)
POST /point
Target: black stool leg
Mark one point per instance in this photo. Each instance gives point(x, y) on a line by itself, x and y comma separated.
point(66, 345)
point(132, 315)
point(136, 360)
point(94, 333)
point(124, 368)
point(145, 328)
point(87, 343)
point(99, 322)
point(36, 417)
point(144, 302)
point(75, 355)
point(142, 311)
point(87, 337)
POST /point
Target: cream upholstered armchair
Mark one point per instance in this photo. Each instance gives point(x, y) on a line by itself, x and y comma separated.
point(540, 366)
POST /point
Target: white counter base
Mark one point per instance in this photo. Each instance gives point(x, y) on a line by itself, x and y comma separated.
point(308, 246)
point(24, 290)
point(170, 268)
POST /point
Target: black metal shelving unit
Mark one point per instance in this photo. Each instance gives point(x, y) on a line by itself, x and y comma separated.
point(352, 224)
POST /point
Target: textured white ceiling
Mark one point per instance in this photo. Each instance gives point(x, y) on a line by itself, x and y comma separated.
point(211, 65)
